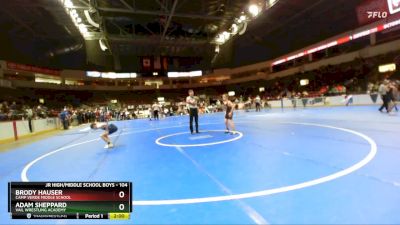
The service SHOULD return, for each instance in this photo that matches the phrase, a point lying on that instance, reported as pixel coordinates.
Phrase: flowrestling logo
(394, 6)
(377, 15)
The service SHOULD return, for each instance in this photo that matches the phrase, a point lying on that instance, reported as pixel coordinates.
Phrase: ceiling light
(68, 4)
(254, 10)
(220, 39)
(83, 28)
(217, 49)
(234, 29)
(226, 35)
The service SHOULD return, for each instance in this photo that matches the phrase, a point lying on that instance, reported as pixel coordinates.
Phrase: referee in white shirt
(192, 102)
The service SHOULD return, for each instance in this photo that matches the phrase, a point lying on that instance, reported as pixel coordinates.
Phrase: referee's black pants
(155, 114)
(385, 103)
(194, 113)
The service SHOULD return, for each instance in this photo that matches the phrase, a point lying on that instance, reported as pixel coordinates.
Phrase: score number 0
(121, 206)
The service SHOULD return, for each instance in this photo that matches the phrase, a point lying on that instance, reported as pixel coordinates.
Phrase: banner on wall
(165, 63)
(157, 63)
(147, 63)
(33, 69)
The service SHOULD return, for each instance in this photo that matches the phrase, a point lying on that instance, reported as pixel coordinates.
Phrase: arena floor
(338, 165)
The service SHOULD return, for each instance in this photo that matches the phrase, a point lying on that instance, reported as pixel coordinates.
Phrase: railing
(13, 130)
(338, 100)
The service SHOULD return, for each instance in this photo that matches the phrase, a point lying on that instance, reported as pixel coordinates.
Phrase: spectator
(383, 90)
(64, 116)
(257, 100)
(29, 114)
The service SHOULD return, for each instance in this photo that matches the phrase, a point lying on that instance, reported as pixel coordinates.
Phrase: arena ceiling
(42, 32)
(293, 25)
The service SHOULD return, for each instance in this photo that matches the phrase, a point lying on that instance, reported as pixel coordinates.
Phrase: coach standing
(192, 102)
(64, 116)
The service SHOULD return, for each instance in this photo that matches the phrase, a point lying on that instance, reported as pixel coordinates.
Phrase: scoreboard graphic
(70, 200)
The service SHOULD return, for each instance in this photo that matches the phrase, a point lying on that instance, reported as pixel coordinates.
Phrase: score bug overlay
(70, 200)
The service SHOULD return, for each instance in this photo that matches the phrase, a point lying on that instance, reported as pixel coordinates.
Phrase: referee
(192, 101)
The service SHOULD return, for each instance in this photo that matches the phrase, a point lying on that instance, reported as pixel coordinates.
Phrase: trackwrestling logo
(394, 6)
